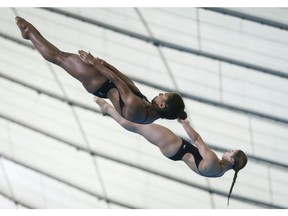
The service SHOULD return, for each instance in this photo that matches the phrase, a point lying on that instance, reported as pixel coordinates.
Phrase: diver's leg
(29, 32)
(71, 63)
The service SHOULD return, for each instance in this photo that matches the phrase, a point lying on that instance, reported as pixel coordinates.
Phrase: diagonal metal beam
(162, 43)
(216, 103)
(16, 201)
(48, 93)
(249, 17)
(164, 60)
(17, 40)
(80, 127)
(98, 196)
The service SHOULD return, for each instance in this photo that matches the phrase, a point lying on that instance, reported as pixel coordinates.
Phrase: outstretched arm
(122, 86)
(122, 76)
(204, 150)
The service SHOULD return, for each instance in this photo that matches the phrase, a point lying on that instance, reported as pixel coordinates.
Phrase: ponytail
(231, 188)
(241, 161)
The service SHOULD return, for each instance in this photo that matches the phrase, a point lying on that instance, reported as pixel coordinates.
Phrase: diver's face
(161, 98)
(229, 155)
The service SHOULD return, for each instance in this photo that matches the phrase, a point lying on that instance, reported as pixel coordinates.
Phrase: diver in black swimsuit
(187, 147)
(108, 85)
(201, 159)
(95, 74)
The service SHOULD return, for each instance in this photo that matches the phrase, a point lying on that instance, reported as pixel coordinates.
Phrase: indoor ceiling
(229, 64)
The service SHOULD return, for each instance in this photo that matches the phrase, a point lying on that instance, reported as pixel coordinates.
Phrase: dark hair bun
(182, 115)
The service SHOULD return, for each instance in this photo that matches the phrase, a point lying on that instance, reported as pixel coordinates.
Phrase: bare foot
(102, 104)
(24, 26)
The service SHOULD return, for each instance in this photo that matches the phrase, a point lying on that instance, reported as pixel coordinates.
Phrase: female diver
(103, 80)
(201, 159)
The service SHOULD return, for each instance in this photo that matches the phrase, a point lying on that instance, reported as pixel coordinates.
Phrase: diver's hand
(86, 57)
